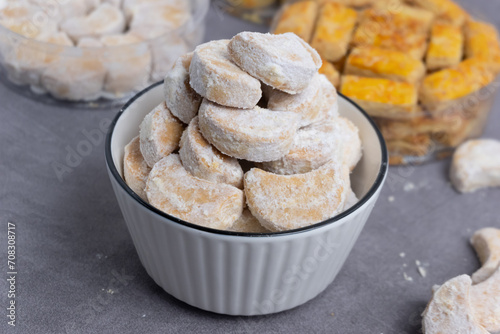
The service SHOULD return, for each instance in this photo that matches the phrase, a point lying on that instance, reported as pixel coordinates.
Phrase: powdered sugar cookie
(351, 200)
(25, 63)
(485, 301)
(74, 79)
(104, 20)
(348, 136)
(308, 103)
(475, 165)
(130, 65)
(160, 133)
(205, 162)
(486, 242)
(213, 75)
(312, 147)
(330, 99)
(284, 61)
(247, 223)
(450, 309)
(181, 99)
(286, 202)
(135, 168)
(171, 189)
(256, 134)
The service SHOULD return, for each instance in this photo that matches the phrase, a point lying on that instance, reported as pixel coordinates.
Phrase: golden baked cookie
(440, 89)
(445, 47)
(307, 10)
(382, 97)
(333, 32)
(171, 189)
(482, 41)
(446, 11)
(388, 64)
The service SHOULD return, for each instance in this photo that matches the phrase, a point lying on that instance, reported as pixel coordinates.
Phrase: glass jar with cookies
(425, 70)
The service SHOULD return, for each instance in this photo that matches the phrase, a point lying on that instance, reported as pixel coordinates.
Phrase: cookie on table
(476, 165)
(450, 309)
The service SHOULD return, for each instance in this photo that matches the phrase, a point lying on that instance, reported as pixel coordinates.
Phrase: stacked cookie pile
(256, 100)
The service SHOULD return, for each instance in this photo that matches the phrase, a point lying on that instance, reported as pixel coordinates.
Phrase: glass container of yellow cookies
(425, 70)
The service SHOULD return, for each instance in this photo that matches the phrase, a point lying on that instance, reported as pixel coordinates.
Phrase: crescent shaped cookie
(284, 61)
(348, 136)
(204, 161)
(173, 190)
(486, 242)
(286, 202)
(248, 223)
(330, 99)
(129, 69)
(476, 165)
(213, 75)
(181, 99)
(308, 103)
(160, 133)
(135, 169)
(450, 309)
(485, 301)
(256, 134)
(312, 147)
(104, 20)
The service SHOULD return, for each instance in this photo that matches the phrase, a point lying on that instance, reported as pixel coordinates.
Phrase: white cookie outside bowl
(242, 273)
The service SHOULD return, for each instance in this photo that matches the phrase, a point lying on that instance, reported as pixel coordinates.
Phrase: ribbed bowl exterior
(240, 275)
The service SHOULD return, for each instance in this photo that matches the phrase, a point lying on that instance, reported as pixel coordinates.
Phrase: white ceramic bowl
(241, 273)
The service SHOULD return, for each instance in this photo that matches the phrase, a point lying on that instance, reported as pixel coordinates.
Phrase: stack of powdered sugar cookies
(256, 100)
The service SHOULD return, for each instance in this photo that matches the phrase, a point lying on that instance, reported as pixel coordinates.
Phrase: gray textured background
(73, 244)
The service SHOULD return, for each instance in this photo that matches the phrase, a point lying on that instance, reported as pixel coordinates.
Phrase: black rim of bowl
(375, 187)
